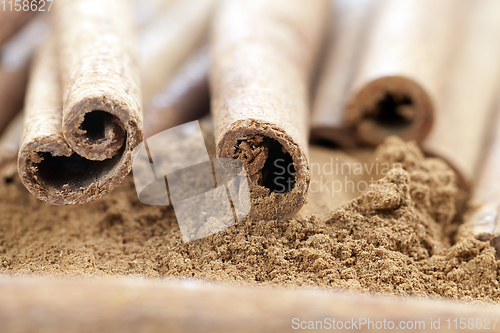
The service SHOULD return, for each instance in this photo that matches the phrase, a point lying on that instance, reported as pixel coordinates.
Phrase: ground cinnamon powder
(394, 238)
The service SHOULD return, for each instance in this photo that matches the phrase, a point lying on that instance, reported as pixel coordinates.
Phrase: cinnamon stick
(12, 20)
(348, 29)
(122, 130)
(10, 139)
(483, 222)
(79, 135)
(188, 305)
(185, 98)
(149, 10)
(102, 112)
(15, 56)
(465, 107)
(262, 55)
(399, 73)
(169, 40)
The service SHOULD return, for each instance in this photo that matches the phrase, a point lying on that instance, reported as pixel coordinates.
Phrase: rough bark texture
(263, 54)
(47, 165)
(132, 305)
(169, 39)
(465, 108)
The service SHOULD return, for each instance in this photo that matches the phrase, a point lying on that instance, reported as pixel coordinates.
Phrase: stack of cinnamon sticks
(425, 70)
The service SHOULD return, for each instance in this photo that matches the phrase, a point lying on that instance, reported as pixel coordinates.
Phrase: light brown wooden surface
(11, 139)
(31, 304)
(263, 53)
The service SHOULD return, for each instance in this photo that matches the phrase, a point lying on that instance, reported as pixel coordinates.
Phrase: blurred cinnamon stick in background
(465, 108)
(263, 53)
(87, 152)
(11, 20)
(348, 30)
(15, 57)
(399, 73)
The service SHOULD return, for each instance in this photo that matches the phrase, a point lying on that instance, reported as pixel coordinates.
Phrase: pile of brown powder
(394, 238)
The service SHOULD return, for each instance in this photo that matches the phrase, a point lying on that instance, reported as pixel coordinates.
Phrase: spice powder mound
(394, 238)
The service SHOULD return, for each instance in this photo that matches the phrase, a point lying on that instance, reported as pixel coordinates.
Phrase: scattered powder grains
(393, 238)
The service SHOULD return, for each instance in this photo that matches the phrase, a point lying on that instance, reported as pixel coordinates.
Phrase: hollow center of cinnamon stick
(393, 110)
(100, 126)
(75, 171)
(267, 163)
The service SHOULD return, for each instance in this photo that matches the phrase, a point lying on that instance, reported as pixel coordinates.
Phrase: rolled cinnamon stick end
(185, 98)
(347, 33)
(189, 306)
(262, 58)
(398, 72)
(391, 105)
(102, 111)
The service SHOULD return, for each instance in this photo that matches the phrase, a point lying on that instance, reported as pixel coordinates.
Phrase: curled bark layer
(15, 56)
(80, 131)
(262, 57)
(391, 70)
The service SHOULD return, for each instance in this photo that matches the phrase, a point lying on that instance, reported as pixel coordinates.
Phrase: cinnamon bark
(101, 120)
(465, 108)
(12, 20)
(483, 222)
(263, 54)
(149, 305)
(102, 111)
(348, 29)
(11, 139)
(171, 38)
(398, 76)
(185, 98)
(80, 133)
(47, 165)
(15, 56)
